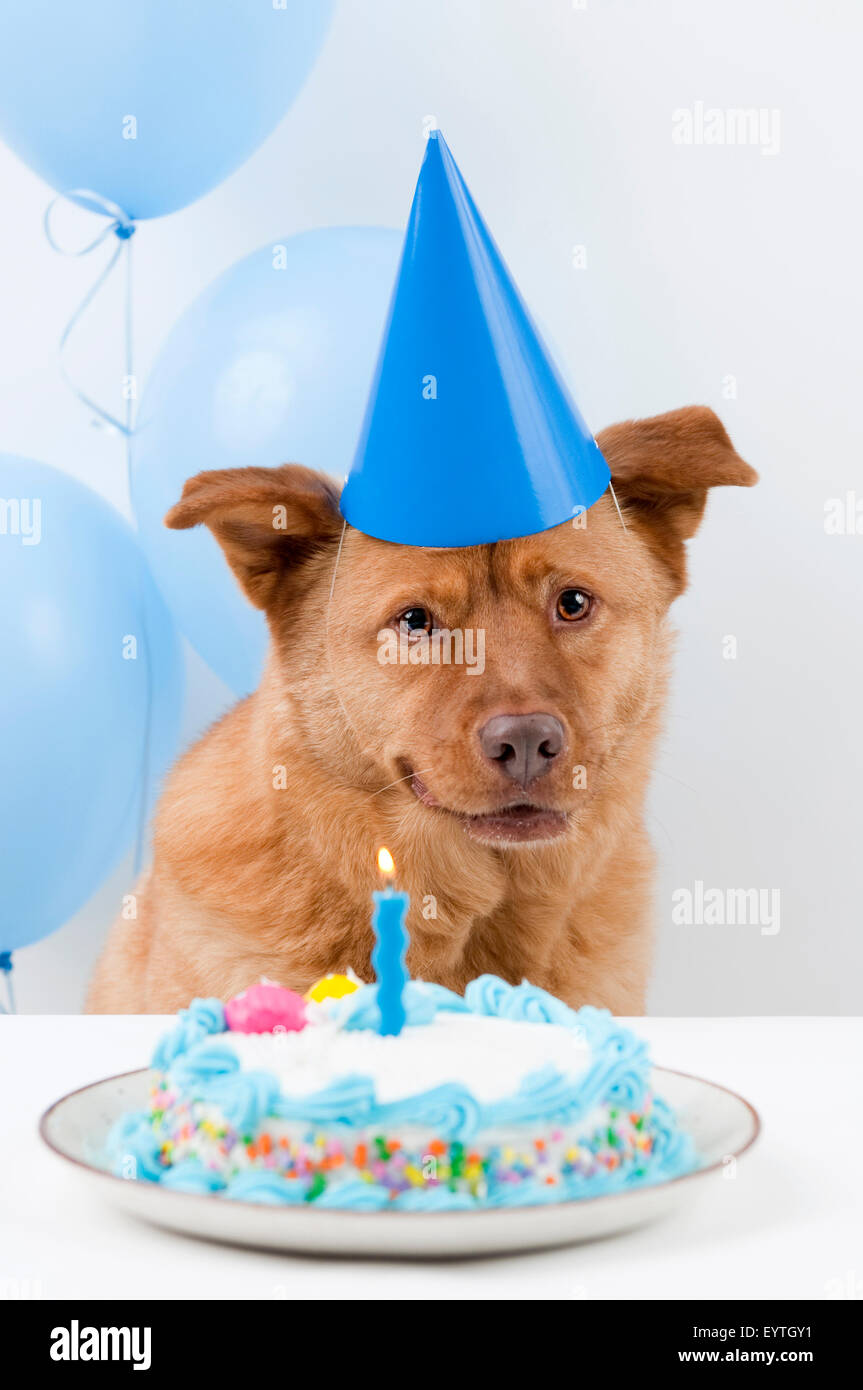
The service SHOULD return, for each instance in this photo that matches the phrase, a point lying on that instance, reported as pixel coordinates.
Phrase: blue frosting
(449, 1110)
(211, 1072)
(421, 1002)
(204, 1068)
(523, 1003)
(262, 1185)
(208, 1062)
(673, 1150)
(438, 1198)
(619, 1071)
(348, 1101)
(190, 1175)
(203, 1016)
(545, 1094)
(528, 1193)
(244, 1098)
(133, 1148)
(487, 995)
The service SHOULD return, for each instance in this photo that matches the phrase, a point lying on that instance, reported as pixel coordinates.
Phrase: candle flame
(386, 864)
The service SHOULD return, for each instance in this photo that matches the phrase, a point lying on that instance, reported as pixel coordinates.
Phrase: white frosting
(488, 1056)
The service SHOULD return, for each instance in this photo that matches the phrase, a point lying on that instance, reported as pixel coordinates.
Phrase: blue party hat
(470, 434)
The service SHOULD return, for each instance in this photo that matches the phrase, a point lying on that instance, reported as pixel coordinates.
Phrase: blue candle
(391, 942)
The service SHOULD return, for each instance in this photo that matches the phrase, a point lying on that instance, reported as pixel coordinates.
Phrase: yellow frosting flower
(331, 987)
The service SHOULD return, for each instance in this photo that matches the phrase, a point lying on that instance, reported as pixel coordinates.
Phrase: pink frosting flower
(266, 1008)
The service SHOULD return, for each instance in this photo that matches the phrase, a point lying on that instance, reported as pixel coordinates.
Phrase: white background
(703, 262)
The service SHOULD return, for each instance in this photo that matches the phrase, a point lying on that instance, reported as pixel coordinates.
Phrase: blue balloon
(271, 364)
(150, 103)
(85, 640)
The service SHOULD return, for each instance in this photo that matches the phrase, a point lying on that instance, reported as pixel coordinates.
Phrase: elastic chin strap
(617, 505)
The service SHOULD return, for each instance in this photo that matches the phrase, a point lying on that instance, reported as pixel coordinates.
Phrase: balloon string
(130, 381)
(131, 394)
(6, 970)
(123, 228)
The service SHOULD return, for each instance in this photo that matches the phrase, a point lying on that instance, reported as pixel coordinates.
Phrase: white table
(789, 1225)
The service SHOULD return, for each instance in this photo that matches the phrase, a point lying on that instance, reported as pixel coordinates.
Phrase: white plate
(722, 1124)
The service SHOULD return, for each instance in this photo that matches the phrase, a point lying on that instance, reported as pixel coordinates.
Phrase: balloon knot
(6, 961)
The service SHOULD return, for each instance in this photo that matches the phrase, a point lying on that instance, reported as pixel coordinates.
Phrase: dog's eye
(573, 604)
(416, 620)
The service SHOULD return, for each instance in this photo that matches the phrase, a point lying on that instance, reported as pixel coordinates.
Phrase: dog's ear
(267, 520)
(661, 469)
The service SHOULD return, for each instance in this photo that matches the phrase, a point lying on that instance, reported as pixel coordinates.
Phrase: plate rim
(309, 1210)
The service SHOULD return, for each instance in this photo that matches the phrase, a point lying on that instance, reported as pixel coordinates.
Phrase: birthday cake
(502, 1097)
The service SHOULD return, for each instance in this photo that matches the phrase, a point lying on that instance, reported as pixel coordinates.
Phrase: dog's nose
(525, 745)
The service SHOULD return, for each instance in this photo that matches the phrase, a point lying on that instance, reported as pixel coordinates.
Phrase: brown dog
(510, 797)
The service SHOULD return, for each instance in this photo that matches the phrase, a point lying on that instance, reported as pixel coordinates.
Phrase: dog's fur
(267, 834)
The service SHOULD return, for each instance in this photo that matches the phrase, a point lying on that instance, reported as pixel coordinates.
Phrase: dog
(510, 797)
